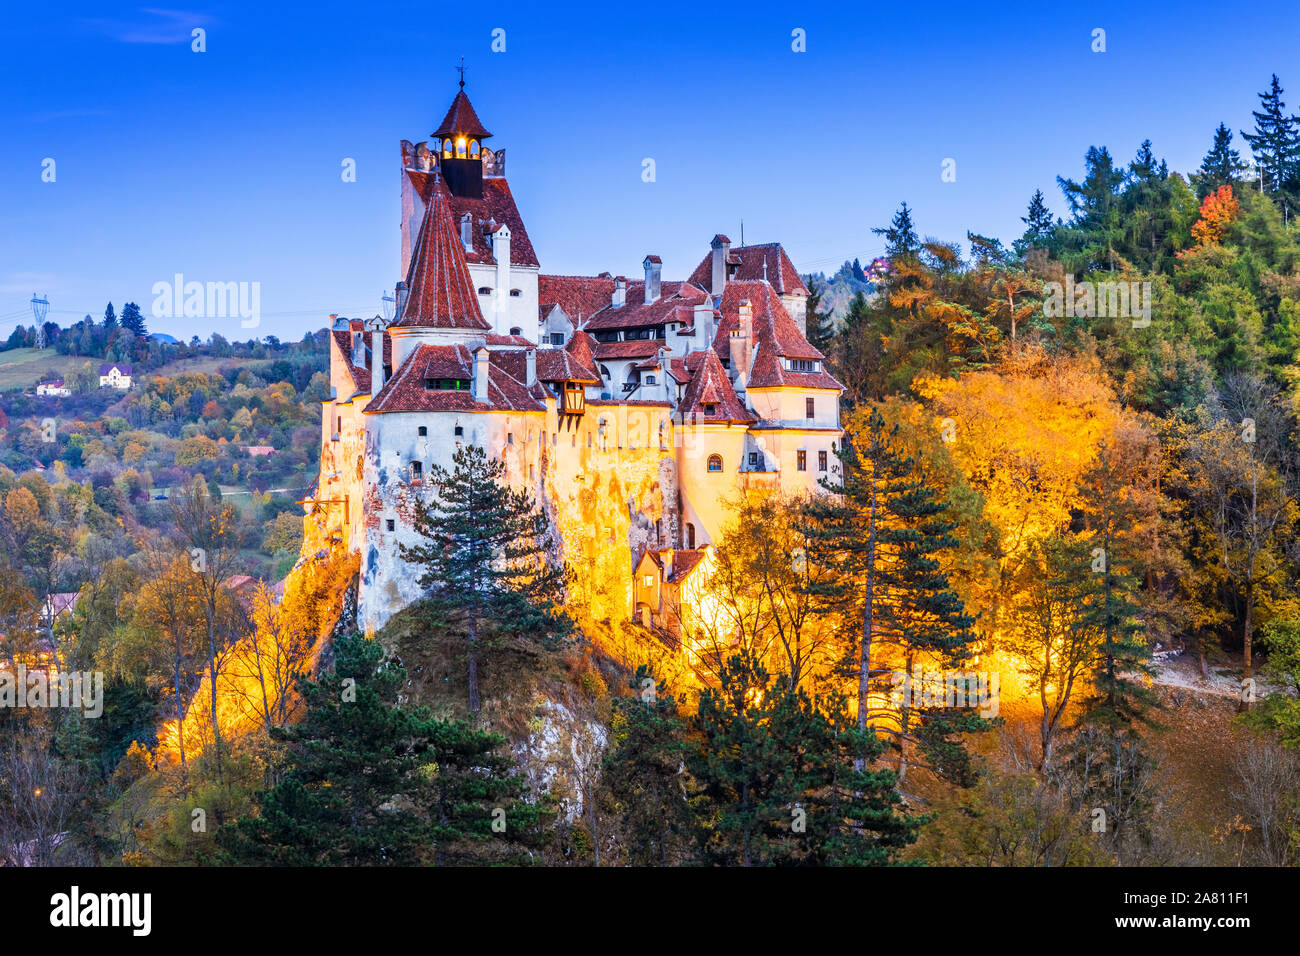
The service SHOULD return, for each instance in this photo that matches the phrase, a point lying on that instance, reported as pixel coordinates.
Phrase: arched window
(446, 148)
(690, 536)
(484, 290)
(473, 149)
(516, 330)
(516, 293)
(460, 147)
(605, 372)
(715, 463)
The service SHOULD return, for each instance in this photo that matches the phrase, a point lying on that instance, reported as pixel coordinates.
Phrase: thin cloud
(155, 26)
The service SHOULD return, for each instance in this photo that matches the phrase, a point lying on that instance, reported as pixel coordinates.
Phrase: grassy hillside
(23, 368)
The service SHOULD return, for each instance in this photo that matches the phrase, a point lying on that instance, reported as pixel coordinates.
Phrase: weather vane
(461, 68)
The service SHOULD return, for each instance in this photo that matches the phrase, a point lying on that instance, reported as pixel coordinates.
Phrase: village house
(115, 375)
(634, 410)
(53, 388)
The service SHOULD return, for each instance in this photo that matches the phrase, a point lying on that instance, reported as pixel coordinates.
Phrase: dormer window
(802, 365)
(710, 410)
(447, 384)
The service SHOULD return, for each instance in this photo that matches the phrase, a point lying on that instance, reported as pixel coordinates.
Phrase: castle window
(417, 470)
(460, 147)
(801, 460)
(649, 379)
(423, 430)
(516, 293)
(715, 463)
(808, 408)
(690, 536)
(753, 459)
(459, 431)
(802, 365)
(446, 148)
(447, 384)
(516, 330)
(557, 338)
(510, 438)
(605, 372)
(711, 410)
(392, 525)
(821, 461)
(648, 580)
(484, 290)
(473, 148)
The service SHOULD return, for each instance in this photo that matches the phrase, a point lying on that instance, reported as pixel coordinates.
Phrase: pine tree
(1276, 145)
(486, 565)
(858, 274)
(354, 751)
(778, 782)
(133, 320)
(110, 319)
(820, 325)
(643, 774)
(889, 526)
(1094, 204)
(1221, 166)
(900, 235)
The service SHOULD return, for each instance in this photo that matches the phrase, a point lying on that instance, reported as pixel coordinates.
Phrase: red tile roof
(750, 259)
(676, 303)
(580, 297)
(405, 391)
(561, 365)
(497, 206)
(461, 118)
(440, 293)
(710, 388)
(637, 348)
(776, 337)
(583, 348)
(360, 373)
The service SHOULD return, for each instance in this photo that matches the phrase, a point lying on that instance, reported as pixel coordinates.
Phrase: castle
(633, 410)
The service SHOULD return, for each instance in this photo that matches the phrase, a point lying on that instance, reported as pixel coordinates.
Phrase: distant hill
(164, 338)
(838, 290)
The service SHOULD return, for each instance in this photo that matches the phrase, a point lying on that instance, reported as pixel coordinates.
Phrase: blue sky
(225, 165)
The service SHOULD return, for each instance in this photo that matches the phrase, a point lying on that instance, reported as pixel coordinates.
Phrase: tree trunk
(474, 701)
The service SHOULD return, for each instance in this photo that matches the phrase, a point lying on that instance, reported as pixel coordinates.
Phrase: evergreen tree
(133, 320)
(352, 754)
(485, 565)
(1095, 208)
(110, 319)
(820, 325)
(778, 783)
(888, 527)
(1039, 227)
(858, 274)
(900, 235)
(1221, 166)
(643, 773)
(1276, 145)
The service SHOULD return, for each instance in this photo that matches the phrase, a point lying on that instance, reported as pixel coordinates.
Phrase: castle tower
(458, 141)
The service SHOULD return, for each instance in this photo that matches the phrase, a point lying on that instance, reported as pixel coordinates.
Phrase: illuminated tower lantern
(459, 143)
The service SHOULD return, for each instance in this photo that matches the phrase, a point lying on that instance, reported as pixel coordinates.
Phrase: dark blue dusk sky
(225, 165)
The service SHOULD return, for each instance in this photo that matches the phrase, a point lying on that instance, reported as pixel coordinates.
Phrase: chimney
(467, 232)
(530, 364)
(741, 344)
(481, 374)
(620, 293)
(653, 271)
(401, 292)
(721, 247)
(376, 361)
(666, 556)
(358, 350)
(501, 253)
